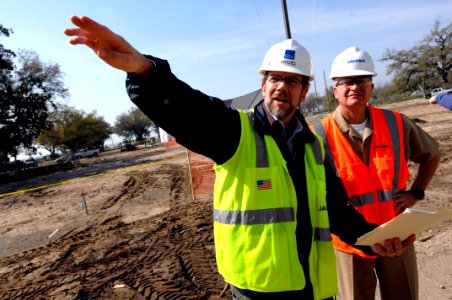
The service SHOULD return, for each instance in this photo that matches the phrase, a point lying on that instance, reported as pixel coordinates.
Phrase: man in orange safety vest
(369, 149)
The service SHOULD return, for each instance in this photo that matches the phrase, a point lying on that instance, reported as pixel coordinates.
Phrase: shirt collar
(344, 126)
(263, 123)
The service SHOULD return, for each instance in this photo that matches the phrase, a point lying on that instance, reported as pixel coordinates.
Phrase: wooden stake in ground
(190, 176)
(84, 204)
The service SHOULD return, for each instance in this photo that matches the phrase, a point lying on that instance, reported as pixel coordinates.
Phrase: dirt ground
(143, 230)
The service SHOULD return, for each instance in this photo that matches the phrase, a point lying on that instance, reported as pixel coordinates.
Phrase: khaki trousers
(397, 276)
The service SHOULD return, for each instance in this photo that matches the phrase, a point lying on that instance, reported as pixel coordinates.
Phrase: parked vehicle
(437, 91)
(67, 158)
(440, 90)
(87, 153)
(30, 163)
(127, 147)
(15, 165)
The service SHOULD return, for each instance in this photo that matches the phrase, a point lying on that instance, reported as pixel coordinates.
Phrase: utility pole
(326, 92)
(286, 19)
(316, 98)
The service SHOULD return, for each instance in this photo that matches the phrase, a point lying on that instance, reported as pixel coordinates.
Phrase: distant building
(165, 137)
(247, 101)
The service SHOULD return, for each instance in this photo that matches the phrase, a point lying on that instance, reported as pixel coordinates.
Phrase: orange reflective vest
(370, 188)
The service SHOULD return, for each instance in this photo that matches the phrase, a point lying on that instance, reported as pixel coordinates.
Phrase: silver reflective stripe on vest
(320, 130)
(317, 151)
(251, 217)
(362, 199)
(384, 195)
(261, 150)
(395, 139)
(322, 234)
(368, 197)
(359, 200)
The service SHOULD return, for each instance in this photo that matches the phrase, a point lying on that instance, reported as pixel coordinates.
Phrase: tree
(424, 66)
(50, 140)
(134, 122)
(53, 138)
(383, 93)
(28, 93)
(6, 68)
(74, 129)
(311, 104)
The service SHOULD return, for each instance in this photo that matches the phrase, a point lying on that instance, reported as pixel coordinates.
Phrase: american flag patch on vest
(265, 184)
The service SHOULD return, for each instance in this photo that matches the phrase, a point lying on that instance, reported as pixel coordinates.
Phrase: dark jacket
(207, 126)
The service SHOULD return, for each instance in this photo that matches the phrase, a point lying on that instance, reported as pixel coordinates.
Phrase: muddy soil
(145, 231)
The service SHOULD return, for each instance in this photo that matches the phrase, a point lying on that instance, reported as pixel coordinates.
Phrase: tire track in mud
(153, 269)
(168, 256)
(144, 180)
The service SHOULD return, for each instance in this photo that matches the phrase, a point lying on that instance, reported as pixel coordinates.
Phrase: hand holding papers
(409, 222)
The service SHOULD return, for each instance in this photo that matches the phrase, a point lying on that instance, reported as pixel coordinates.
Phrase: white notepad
(409, 222)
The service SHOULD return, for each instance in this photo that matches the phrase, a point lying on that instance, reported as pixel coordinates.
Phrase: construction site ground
(138, 225)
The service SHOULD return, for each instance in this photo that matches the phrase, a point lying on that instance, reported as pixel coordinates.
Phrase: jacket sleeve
(345, 221)
(199, 122)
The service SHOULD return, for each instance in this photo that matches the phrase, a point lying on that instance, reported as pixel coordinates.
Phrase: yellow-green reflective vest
(255, 209)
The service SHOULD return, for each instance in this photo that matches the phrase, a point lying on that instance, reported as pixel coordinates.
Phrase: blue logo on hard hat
(289, 54)
(356, 61)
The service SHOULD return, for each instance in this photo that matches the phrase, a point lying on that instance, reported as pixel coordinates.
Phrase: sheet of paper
(409, 222)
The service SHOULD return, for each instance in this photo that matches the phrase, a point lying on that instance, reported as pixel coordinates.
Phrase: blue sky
(215, 46)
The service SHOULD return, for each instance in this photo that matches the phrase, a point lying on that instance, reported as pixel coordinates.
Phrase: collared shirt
(360, 144)
(288, 132)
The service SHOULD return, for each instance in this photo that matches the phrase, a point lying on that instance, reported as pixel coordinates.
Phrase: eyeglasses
(290, 81)
(359, 81)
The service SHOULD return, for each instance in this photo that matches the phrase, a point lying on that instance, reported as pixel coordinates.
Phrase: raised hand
(109, 46)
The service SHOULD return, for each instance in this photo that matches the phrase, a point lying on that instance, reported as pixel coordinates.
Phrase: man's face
(354, 92)
(283, 92)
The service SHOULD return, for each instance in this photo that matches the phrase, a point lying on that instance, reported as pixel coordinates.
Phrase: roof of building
(247, 101)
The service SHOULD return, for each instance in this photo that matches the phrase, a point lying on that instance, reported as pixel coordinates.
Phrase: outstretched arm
(110, 47)
(187, 114)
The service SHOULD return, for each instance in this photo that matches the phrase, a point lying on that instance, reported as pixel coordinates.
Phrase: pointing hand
(109, 46)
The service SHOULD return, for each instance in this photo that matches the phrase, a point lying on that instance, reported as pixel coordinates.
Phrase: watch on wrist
(417, 193)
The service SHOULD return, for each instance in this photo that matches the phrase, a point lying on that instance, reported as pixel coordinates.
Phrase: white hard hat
(288, 56)
(352, 62)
